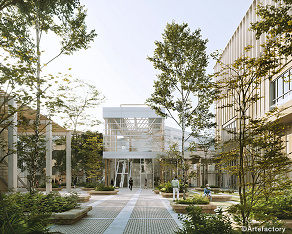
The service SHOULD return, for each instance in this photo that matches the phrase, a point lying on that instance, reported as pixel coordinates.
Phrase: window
(281, 88)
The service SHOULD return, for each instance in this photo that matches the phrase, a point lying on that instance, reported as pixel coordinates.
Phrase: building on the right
(276, 91)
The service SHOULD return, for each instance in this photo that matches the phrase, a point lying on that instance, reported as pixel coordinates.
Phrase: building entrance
(141, 170)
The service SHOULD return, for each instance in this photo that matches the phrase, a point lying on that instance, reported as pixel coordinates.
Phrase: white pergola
(49, 128)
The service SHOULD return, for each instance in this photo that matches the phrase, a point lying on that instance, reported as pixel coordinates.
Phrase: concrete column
(68, 161)
(12, 141)
(49, 163)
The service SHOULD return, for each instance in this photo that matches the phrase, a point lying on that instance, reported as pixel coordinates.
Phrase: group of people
(175, 189)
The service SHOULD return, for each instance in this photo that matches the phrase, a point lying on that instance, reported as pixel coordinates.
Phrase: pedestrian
(59, 183)
(175, 188)
(150, 183)
(145, 186)
(207, 192)
(130, 183)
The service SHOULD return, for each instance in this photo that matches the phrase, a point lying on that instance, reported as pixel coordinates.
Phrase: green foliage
(102, 187)
(167, 188)
(87, 150)
(54, 185)
(275, 21)
(279, 206)
(90, 185)
(73, 101)
(44, 203)
(182, 61)
(196, 222)
(29, 213)
(28, 159)
(196, 200)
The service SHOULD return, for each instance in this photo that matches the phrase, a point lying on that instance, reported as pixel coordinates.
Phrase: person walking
(175, 188)
(130, 183)
(145, 186)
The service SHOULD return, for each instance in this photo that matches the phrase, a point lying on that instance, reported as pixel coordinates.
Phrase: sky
(116, 62)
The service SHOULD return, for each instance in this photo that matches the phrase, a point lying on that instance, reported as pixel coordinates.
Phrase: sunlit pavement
(139, 211)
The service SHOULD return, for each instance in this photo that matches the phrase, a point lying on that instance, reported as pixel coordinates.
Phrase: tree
(88, 148)
(206, 143)
(73, 102)
(66, 19)
(276, 21)
(242, 154)
(28, 160)
(182, 87)
(171, 162)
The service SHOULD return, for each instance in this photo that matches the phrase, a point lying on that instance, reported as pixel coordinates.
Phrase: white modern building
(135, 140)
(133, 137)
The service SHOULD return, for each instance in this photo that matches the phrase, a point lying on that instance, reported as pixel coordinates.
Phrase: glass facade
(133, 138)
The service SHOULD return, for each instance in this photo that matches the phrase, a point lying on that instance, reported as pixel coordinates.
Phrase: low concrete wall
(212, 189)
(87, 189)
(219, 198)
(181, 208)
(70, 216)
(44, 189)
(93, 192)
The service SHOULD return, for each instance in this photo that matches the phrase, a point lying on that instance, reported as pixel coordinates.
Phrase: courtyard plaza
(139, 211)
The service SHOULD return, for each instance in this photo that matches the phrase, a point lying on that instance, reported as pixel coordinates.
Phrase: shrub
(90, 185)
(196, 200)
(196, 222)
(101, 187)
(29, 213)
(44, 185)
(167, 188)
(278, 206)
(211, 186)
(81, 184)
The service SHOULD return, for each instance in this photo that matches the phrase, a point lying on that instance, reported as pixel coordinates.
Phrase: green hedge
(195, 200)
(101, 187)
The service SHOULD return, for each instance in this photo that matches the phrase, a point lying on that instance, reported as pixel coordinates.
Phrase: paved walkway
(139, 211)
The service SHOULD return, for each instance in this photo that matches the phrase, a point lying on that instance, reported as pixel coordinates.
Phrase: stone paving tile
(150, 212)
(150, 202)
(84, 226)
(104, 212)
(114, 203)
(150, 226)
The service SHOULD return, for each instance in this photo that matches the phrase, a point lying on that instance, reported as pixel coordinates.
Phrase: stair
(4, 174)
